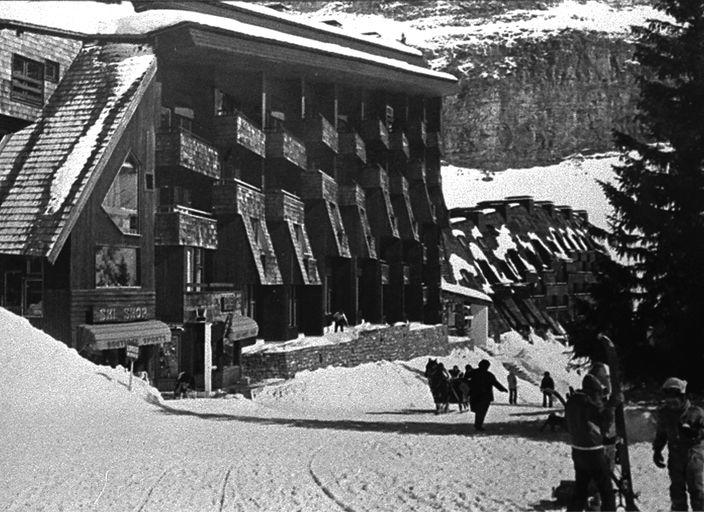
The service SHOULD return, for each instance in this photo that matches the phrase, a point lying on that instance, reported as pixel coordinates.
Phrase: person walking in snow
(481, 392)
(512, 381)
(587, 416)
(340, 320)
(547, 386)
(468, 372)
(680, 427)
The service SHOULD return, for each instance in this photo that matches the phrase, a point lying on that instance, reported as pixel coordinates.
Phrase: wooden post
(129, 388)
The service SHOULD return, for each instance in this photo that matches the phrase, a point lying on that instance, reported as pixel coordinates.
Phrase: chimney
(525, 201)
(565, 210)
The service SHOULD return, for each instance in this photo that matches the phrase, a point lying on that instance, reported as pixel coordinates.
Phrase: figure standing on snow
(481, 392)
(184, 383)
(588, 417)
(680, 426)
(547, 386)
(455, 372)
(340, 320)
(512, 381)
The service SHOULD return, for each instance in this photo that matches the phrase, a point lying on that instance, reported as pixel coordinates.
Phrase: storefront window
(116, 267)
(120, 202)
(168, 358)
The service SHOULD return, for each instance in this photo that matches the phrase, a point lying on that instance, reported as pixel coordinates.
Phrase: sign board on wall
(126, 313)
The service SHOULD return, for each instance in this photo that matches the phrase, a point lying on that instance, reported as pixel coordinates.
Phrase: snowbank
(384, 386)
(42, 376)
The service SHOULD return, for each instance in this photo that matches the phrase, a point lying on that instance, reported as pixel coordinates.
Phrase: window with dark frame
(51, 71)
(27, 81)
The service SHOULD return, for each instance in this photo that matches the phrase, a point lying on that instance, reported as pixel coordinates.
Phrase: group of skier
(598, 444)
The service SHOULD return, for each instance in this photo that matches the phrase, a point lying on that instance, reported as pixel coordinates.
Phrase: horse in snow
(444, 389)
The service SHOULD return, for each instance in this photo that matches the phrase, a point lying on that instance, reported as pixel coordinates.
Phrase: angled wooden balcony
(180, 226)
(285, 214)
(398, 145)
(423, 207)
(182, 149)
(283, 145)
(237, 197)
(417, 132)
(354, 216)
(352, 146)
(235, 130)
(375, 133)
(375, 182)
(320, 134)
(401, 200)
(319, 193)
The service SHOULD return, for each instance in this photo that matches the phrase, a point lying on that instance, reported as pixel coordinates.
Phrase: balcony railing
(236, 129)
(375, 132)
(231, 197)
(321, 133)
(181, 226)
(281, 144)
(282, 205)
(318, 185)
(352, 144)
(180, 148)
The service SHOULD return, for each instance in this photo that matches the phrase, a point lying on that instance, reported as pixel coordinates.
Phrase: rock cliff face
(539, 80)
(538, 100)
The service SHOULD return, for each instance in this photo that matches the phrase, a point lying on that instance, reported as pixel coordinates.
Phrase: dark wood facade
(270, 187)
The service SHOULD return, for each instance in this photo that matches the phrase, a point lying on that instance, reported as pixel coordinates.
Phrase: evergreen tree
(658, 194)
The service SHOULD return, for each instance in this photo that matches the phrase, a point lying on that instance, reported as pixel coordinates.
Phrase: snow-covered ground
(350, 439)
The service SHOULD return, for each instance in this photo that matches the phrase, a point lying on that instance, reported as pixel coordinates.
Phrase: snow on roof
(458, 233)
(94, 18)
(476, 233)
(458, 264)
(572, 182)
(457, 220)
(48, 168)
(464, 290)
(318, 21)
(576, 238)
(505, 242)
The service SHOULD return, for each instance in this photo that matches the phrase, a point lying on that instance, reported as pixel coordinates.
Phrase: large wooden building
(178, 172)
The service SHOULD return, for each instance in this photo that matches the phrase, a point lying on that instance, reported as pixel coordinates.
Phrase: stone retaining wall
(386, 343)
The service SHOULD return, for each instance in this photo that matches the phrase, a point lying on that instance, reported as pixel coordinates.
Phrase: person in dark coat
(680, 427)
(481, 392)
(455, 372)
(512, 381)
(547, 386)
(340, 320)
(588, 416)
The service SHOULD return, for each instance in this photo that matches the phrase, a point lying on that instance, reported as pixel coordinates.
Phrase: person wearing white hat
(680, 427)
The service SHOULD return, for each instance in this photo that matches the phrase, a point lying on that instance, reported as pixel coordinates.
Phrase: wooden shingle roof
(49, 169)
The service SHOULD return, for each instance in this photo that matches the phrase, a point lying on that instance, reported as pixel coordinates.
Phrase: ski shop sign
(113, 313)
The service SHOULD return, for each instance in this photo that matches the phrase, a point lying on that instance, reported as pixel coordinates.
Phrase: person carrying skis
(547, 386)
(587, 417)
(481, 392)
(680, 427)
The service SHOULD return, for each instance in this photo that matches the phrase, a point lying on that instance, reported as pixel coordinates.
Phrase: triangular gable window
(121, 201)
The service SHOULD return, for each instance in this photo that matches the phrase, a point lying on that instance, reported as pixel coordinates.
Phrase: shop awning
(241, 327)
(112, 336)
